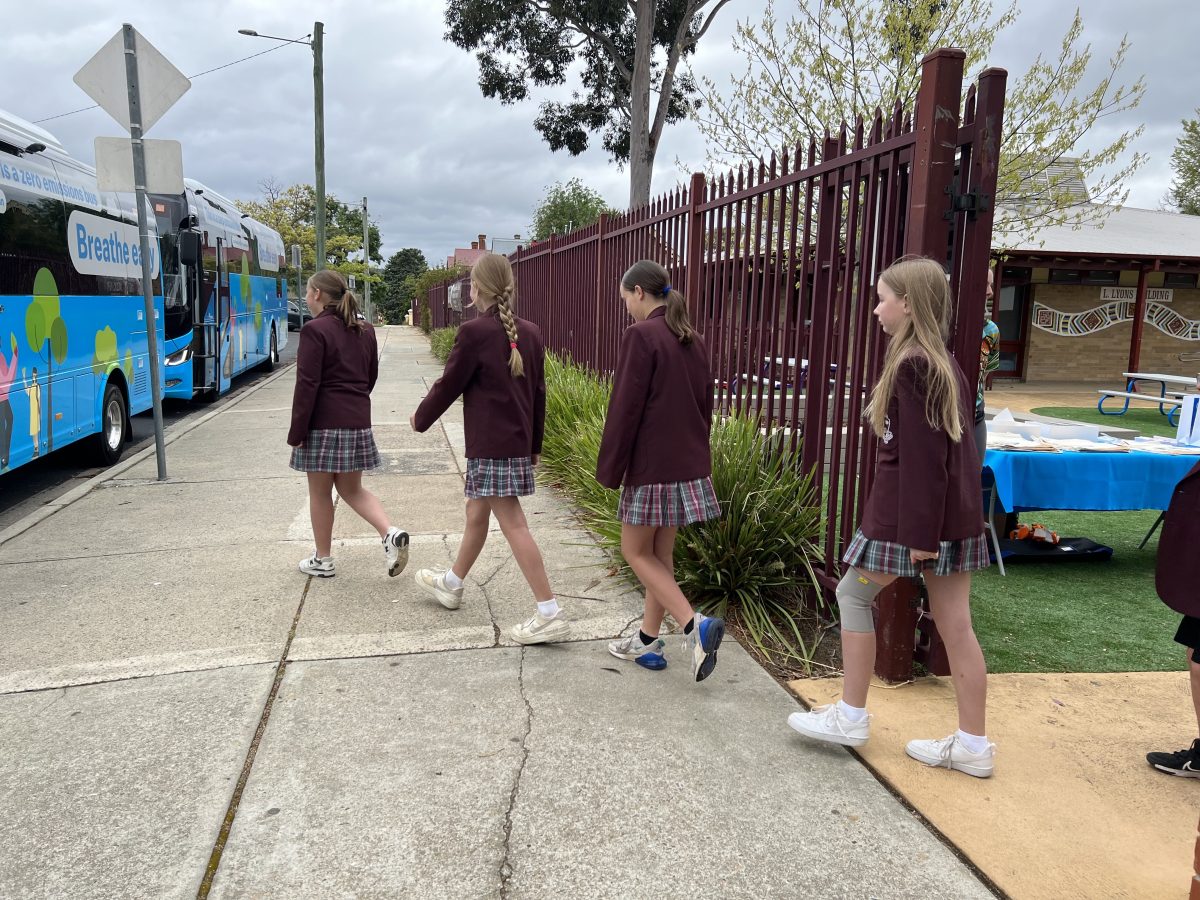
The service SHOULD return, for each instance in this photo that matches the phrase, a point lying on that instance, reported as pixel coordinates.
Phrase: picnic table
(1169, 396)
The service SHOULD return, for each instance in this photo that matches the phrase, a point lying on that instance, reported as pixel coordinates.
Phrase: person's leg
(475, 532)
(664, 552)
(950, 603)
(846, 722)
(638, 546)
(515, 528)
(858, 643)
(320, 510)
(1194, 669)
(350, 488)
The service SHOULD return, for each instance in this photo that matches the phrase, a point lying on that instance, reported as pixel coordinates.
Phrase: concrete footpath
(183, 714)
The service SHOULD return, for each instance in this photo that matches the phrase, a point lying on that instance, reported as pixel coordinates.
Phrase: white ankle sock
(854, 713)
(976, 743)
(548, 609)
(452, 581)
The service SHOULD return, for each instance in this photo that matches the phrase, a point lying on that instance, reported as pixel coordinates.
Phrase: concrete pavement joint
(505, 865)
(176, 432)
(214, 860)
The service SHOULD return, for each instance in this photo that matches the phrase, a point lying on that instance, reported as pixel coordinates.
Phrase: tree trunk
(641, 150)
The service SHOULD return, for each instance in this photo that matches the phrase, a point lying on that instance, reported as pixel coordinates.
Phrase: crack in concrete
(506, 871)
(487, 598)
(214, 860)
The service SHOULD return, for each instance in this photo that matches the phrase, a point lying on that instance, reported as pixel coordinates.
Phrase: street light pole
(318, 48)
(367, 264)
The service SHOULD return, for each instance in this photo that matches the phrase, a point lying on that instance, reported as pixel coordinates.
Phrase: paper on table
(1006, 440)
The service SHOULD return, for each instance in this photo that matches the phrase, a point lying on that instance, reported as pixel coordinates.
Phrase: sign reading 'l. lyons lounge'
(1153, 295)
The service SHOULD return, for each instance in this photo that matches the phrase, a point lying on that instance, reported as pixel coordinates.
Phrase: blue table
(1086, 481)
(1026, 480)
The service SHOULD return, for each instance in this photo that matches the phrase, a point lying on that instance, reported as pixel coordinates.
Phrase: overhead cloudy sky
(407, 126)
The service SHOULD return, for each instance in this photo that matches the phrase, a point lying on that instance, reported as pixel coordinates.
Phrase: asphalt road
(33, 485)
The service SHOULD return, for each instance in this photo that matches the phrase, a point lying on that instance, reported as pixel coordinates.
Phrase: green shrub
(753, 563)
(440, 342)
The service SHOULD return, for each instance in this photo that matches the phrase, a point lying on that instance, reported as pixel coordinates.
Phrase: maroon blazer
(927, 487)
(505, 417)
(336, 368)
(1177, 574)
(660, 412)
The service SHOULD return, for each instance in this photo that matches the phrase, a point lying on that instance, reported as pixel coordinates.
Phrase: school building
(1088, 304)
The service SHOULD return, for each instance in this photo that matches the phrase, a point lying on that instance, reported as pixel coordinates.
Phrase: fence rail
(778, 261)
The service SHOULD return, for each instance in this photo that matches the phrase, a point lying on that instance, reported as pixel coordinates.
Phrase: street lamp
(317, 44)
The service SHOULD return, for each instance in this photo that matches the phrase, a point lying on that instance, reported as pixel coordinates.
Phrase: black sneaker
(1185, 763)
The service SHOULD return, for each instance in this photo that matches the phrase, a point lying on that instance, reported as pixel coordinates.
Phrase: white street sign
(114, 166)
(104, 79)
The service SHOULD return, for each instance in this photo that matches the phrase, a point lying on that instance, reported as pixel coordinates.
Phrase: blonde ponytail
(516, 365)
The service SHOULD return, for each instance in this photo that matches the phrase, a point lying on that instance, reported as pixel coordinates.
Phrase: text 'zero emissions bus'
(74, 350)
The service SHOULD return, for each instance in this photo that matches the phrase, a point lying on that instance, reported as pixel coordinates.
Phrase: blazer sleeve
(539, 401)
(924, 453)
(310, 360)
(460, 369)
(631, 383)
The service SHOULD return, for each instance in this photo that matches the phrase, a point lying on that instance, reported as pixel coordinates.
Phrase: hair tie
(513, 344)
(666, 290)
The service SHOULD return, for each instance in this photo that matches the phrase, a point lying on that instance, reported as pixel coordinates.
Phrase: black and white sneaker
(1185, 763)
(395, 548)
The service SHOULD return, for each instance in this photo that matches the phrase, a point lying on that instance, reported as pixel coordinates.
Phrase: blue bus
(74, 349)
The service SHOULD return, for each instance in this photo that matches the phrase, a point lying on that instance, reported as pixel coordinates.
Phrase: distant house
(466, 257)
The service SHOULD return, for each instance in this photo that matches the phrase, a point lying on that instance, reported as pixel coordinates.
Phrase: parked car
(298, 314)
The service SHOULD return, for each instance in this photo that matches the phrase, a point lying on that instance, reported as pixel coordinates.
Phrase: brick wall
(1101, 357)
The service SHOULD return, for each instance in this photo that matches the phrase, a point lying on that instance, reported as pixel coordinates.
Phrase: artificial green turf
(1143, 418)
(1079, 616)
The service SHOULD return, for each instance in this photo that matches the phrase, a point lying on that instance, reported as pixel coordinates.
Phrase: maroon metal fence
(778, 261)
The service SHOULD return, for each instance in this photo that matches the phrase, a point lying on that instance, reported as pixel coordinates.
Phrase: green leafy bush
(440, 342)
(753, 563)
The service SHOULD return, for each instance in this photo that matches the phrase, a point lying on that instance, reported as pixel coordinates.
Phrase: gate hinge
(972, 202)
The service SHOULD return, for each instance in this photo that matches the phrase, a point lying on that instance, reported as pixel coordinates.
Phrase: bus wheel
(272, 359)
(114, 420)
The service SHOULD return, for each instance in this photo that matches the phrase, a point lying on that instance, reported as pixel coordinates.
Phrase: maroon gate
(778, 261)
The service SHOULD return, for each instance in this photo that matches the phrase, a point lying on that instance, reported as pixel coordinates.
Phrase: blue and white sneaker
(648, 656)
(702, 644)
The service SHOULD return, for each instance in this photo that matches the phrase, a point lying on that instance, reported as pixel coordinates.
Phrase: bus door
(207, 335)
(224, 326)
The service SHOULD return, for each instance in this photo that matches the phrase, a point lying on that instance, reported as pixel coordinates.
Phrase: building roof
(463, 257)
(1125, 233)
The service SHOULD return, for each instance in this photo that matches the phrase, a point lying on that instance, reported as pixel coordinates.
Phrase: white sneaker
(950, 752)
(540, 630)
(434, 584)
(828, 723)
(395, 548)
(318, 566)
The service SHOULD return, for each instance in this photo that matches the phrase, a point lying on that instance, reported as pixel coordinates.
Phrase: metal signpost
(122, 66)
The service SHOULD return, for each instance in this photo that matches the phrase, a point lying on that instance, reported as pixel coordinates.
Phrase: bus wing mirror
(189, 248)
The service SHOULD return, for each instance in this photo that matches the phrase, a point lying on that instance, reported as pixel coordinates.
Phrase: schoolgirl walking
(924, 517)
(497, 365)
(337, 365)
(656, 449)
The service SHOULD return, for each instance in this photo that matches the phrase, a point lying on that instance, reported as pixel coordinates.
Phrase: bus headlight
(180, 356)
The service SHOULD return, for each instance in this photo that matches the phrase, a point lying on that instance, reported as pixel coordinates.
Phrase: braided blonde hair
(492, 277)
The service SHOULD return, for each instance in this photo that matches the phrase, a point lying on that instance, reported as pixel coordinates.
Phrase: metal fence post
(694, 254)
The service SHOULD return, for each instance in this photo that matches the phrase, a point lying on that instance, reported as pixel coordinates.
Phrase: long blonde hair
(336, 295)
(922, 335)
(492, 276)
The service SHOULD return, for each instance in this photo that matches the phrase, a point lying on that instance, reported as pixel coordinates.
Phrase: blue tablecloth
(1099, 481)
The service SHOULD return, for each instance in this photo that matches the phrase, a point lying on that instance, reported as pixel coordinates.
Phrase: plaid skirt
(336, 450)
(671, 503)
(512, 477)
(964, 555)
